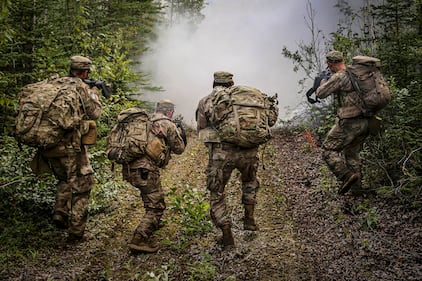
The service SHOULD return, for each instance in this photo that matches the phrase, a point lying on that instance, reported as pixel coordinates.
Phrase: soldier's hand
(323, 81)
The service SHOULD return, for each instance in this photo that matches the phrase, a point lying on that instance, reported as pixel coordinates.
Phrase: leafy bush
(193, 212)
(394, 158)
(20, 189)
(203, 269)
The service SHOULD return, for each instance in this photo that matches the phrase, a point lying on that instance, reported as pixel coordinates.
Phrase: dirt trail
(307, 232)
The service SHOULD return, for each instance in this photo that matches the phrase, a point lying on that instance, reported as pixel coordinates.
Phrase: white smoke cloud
(244, 37)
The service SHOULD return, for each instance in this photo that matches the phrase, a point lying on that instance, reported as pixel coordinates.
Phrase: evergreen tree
(400, 39)
(391, 31)
(51, 31)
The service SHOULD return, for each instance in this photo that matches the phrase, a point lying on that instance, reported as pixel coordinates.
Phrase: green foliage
(399, 39)
(25, 207)
(161, 275)
(193, 212)
(18, 244)
(106, 189)
(48, 34)
(20, 188)
(394, 158)
(370, 217)
(186, 9)
(202, 270)
(390, 31)
(327, 182)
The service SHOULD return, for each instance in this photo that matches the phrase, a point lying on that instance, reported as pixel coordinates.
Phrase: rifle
(100, 84)
(273, 99)
(178, 121)
(324, 75)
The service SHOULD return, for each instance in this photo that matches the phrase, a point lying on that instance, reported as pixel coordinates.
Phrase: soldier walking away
(69, 160)
(224, 157)
(345, 140)
(144, 174)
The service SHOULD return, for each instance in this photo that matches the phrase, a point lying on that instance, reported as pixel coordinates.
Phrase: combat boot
(348, 181)
(249, 220)
(228, 241)
(139, 244)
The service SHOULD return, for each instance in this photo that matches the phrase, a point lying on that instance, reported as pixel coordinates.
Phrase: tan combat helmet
(223, 77)
(80, 63)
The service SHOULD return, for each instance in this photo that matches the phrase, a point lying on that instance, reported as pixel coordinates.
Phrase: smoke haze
(244, 37)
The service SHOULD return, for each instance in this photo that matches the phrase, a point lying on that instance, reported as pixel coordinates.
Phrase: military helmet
(334, 56)
(223, 77)
(165, 105)
(80, 63)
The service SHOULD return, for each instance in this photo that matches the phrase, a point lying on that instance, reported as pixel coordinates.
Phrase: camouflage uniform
(144, 174)
(345, 140)
(223, 159)
(70, 163)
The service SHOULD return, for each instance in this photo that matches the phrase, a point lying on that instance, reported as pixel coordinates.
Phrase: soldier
(223, 159)
(144, 174)
(345, 139)
(207, 133)
(69, 160)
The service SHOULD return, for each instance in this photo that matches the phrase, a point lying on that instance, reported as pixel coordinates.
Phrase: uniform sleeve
(174, 139)
(273, 115)
(91, 102)
(201, 118)
(331, 86)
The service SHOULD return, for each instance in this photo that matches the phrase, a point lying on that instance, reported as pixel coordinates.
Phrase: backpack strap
(355, 86)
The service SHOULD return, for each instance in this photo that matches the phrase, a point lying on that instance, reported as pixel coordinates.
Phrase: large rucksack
(47, 110)
(132, 137)
(240, 115)
(368, 81)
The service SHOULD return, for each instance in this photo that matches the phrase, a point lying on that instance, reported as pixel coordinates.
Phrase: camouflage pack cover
(368, 81)
(47, 110)
(241, 116)
(132, 138)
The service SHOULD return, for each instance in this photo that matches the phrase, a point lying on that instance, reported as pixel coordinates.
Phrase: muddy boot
(228, 241)
(348, 181)
(249, 220)
(139, 244)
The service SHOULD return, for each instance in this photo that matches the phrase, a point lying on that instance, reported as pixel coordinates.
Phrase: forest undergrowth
(306, 231)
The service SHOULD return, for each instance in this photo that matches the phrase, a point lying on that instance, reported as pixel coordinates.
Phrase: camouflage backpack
(241, 115)
(132, 138)
(368, 81)
(47, 109)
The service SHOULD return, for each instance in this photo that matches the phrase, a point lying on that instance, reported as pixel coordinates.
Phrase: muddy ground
(307, 231)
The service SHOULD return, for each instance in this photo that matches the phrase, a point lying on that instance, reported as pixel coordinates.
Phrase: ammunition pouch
(155, 150)
(89, 132)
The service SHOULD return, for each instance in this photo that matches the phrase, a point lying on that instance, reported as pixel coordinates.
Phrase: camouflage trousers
(149, 184)
(76, 179)
(343, 144)
(223, 159)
